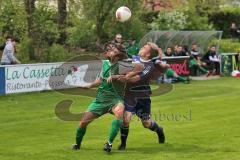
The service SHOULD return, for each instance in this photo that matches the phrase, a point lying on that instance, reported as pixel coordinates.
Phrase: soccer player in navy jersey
(137, 94)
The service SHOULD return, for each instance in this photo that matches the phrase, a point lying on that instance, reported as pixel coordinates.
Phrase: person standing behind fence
(8, 56)
(118, 43)
(234, 31)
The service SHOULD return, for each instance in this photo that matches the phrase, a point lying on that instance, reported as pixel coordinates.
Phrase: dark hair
(8, 37)
(15, 39)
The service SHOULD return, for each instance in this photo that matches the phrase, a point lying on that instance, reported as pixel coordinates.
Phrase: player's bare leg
(87, 118)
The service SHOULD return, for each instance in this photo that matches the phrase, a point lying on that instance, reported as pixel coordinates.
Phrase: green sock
(79, 135)
(182, 79)
(116, 124)
(203, 70)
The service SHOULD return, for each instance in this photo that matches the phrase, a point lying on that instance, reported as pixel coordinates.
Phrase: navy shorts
(142, 108)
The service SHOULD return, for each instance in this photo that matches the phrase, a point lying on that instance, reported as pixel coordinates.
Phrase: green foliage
(91, 21)
(174, 20)
(223, 18)
(102, 12)
(149, 16)
(12, 19)
(23, 50)
(81, 34)
(206, 7)
(55, 53)
(134, 28)
(45, 26)
(196, 22)
(197, 12)
(229, 46)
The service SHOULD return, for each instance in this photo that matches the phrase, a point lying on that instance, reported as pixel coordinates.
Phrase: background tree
(174, 20)
(98, 10)
(62, 18)
(30, 8)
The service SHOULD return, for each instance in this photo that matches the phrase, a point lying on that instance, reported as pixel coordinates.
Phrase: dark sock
(154, 127)
(79, 135)
(124, 135)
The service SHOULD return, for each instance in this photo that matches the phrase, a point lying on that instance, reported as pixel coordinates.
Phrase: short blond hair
(154, 52)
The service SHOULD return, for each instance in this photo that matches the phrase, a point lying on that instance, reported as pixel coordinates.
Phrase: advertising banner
(179, 64)
(49, 76)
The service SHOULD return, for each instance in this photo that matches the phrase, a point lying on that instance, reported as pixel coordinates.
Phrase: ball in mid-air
(123, 14)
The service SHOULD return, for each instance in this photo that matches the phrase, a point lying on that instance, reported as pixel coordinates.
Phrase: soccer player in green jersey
(108, 100)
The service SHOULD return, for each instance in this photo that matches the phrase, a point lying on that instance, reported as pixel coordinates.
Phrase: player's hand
(109, 79)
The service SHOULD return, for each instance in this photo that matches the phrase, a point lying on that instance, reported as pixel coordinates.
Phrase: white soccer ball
(235, 73)
(123, 14)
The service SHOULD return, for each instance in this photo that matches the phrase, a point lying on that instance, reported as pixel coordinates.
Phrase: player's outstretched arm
(132, 79)
(138, 68)
(132, 76)
(96, 83)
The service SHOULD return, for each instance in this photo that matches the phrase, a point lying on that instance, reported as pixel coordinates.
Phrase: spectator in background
(179, 51)
(212, 60)
(186, 50)
(168, 52)
(195, 62)
(175, 48)
(132, 48)
(8, 56)
(118, 43)
(170, 73)
(234, 31)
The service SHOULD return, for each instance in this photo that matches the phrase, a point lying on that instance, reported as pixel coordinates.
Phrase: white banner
(49, 76)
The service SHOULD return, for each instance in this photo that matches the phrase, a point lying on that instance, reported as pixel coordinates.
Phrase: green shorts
(100, 106)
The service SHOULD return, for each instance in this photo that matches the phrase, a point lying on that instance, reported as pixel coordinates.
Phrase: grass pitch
(201, 121)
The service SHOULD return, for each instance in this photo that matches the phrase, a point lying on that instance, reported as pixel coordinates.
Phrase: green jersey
(108, 94)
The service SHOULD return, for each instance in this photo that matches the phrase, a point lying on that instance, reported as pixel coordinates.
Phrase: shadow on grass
(168, 148)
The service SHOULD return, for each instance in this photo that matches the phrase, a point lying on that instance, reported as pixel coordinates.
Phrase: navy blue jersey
(141, 88)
